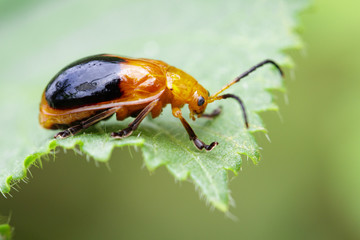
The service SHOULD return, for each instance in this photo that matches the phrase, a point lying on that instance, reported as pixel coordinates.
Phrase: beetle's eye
(201, 101)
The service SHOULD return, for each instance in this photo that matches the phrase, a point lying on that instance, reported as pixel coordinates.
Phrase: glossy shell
(100, 82)
(87, 81)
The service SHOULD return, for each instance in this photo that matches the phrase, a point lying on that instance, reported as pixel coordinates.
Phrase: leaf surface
(212, 40)
(5, 232)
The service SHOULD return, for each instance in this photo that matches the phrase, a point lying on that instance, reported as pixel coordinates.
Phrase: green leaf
(212, 40)
(5, 232)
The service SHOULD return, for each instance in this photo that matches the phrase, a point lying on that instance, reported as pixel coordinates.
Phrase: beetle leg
(214, 113)
(134, 125)
(86, 123)
(197, 142)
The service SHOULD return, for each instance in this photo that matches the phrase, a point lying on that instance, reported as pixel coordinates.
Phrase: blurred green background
(306, 187)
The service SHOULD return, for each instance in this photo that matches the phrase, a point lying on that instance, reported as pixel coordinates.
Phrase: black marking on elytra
(87, 81)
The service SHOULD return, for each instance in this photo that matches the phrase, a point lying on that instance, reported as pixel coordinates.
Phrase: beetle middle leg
(86, 123)
(197, 142)
(134, 125)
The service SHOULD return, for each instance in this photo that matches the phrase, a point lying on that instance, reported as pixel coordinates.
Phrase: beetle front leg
(134, 125)
(213, 114)
(197, 142)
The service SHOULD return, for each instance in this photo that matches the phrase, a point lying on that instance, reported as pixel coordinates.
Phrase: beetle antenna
(241, 104)
(238, 78)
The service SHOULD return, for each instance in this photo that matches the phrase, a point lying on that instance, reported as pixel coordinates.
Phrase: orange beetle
(94, 88)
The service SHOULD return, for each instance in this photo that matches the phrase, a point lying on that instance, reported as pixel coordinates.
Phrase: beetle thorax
(185, 89)
(181, 85)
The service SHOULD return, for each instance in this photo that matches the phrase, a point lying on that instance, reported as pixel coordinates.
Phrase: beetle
(96, 87)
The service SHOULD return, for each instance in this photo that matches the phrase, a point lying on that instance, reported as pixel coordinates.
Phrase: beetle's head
(199, 101)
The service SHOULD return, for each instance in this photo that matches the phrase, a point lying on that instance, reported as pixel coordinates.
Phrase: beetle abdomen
(87, 81)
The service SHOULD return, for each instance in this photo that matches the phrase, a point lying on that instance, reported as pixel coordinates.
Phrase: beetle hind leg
(69, 132)
(86, 123)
